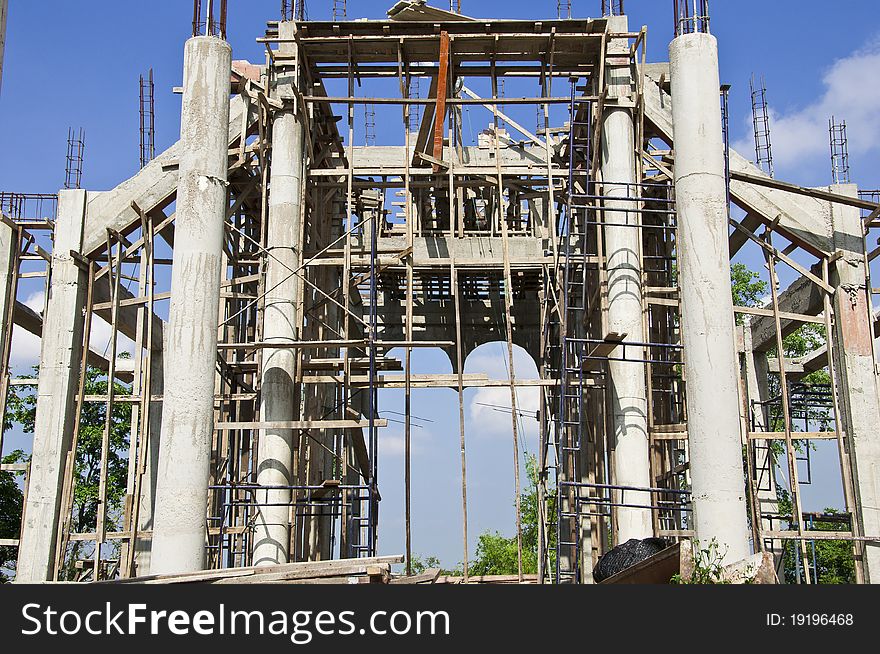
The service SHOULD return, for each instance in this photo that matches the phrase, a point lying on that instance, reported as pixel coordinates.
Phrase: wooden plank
(427, 577)
(819, 535)
(337, 566)
(300, 424)
(522, 130)
(680, 427)
(795, 435)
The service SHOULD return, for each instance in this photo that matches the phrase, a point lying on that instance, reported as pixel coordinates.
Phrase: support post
(856, 366)
(60, 356)
(191, 348)
(3, 11)
(623, 247)
(147, 496)
(277, 446)
(707, 321)
(9, 244)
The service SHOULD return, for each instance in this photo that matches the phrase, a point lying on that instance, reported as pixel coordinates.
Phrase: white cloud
(800, 135)
(392, 440)
(489, 409)
(36, 301)
(25, 351)
(99, 339)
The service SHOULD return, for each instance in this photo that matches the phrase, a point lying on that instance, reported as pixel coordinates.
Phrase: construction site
(328, 213)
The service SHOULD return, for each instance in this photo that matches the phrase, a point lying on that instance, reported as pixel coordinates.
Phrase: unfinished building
(268, 263)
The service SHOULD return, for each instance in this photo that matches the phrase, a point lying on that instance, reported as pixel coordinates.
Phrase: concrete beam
(707, 321)
(802, 296)
(154, 187)
(32, 322)
(803, 219)
(8, 261)
(191, 341)
(60, 357)
(126, 316)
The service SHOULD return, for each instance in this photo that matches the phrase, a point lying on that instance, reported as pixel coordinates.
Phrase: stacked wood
(375, 570)
(488, 579)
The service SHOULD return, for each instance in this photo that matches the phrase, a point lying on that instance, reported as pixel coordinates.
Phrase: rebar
(209, 18)
(76, 145)
(691, 16)
(147, 119)
(839, 151)
(761, 123)
(609, 8)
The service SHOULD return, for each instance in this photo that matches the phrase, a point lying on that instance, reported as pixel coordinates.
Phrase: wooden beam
(440, 112)
(299, 424)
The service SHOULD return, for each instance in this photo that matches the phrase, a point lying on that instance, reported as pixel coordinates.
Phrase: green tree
(497, 554)
(21, 409)
(11, 498)
(833, 559)
(746, 286)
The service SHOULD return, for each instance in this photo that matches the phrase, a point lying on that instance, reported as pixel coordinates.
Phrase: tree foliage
(497, 554)
(21, 409)
(746, 286)
(11, 498)
(831, 561)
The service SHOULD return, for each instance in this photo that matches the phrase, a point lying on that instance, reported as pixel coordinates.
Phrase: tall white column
(191, 343)
(60, 359)
(277, 446)
(629, 404)
(707, 321)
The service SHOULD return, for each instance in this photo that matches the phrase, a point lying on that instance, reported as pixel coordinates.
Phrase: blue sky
(77, 64)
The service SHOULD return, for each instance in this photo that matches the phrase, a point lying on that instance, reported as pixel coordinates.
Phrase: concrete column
(3, 12)
(278, 403)
(707, 322)
(8, 246)
(856, 366)
(628, 387)
(191, 341)
(60, 358)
